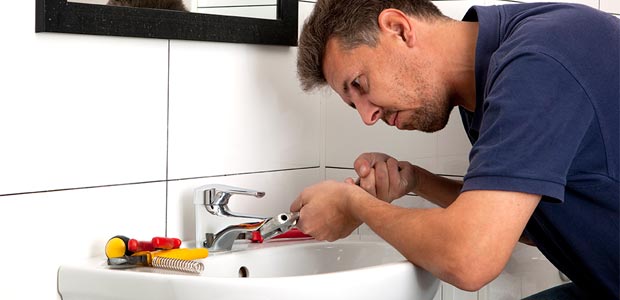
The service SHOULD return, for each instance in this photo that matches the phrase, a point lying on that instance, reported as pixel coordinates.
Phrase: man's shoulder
(547, 20)
(580, 38)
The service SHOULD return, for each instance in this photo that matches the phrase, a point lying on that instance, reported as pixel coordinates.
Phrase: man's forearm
(437, 189)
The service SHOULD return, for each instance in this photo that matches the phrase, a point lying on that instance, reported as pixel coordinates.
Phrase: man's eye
(356, 83)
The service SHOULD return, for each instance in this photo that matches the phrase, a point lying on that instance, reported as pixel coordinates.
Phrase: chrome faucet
(217, 227)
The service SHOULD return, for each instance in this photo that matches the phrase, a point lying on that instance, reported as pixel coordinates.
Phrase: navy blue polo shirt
(547, 123)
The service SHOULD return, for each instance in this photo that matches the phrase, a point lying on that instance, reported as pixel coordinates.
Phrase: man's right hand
(383, 176)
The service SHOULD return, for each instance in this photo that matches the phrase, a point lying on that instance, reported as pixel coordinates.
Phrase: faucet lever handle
(215, 198)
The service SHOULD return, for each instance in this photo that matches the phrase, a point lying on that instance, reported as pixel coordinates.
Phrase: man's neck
(454, 45)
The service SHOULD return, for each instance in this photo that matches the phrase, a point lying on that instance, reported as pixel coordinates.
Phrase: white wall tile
(498, 2)
(304, 8)
(78, 110)
(347, 137)
(42, 231)
(456, 9)
(339, 174)
(453, 147)
(611, 6)
(591, 3)
(450, 292)
(281, 189)
(238, 108)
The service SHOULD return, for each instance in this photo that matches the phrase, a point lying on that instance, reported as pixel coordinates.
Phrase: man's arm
(437, 189)
(466, 244)
(386, 178)
(382, 171)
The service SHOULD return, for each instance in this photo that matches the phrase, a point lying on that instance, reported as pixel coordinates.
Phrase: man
(537, 88)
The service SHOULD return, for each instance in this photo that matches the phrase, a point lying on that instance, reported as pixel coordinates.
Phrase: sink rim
(95, 278)
(266, 248)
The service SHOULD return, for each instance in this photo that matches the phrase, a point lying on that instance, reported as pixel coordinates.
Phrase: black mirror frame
(71, 17)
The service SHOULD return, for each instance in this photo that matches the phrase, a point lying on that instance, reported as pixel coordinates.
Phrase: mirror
(272, 22)
(262, 9)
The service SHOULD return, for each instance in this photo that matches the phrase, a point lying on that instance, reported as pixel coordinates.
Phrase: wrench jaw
(278, 225)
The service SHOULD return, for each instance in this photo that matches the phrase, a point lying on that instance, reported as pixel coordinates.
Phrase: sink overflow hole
(244, 272)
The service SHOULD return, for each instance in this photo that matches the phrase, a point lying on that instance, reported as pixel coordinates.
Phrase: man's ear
(395, 23)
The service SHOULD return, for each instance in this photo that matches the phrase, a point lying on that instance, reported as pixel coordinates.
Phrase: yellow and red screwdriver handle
(121, 245)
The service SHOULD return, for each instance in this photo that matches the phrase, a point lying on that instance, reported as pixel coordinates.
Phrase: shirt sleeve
(535, 115)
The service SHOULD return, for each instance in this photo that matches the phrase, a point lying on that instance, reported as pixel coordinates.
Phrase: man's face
(384, 83)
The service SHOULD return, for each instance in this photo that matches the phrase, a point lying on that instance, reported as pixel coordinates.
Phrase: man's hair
(354, 23)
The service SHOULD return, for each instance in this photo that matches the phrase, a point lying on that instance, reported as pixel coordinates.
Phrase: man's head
(353, 45)
(354, 22)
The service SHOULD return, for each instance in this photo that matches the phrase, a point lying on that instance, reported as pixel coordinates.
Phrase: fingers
(380, 175)
(367, 161)
(408, 181)
(382, 180)
(350, 180)
(363, 164)
(297, 204)
(323, 212)
(368, 183)
(396, 179)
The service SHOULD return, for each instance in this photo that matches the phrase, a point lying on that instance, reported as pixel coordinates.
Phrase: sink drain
(244, 272)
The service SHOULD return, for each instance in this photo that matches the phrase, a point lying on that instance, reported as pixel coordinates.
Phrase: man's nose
(369, 112)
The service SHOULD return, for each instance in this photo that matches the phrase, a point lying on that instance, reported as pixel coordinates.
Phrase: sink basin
(346, 269)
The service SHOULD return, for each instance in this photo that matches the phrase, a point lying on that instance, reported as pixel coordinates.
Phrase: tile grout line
(167, 141)
(166, 181)
(80, 188)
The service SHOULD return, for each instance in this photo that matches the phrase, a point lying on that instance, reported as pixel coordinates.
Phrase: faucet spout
(214, 218)
(268, 228)
(224, 239)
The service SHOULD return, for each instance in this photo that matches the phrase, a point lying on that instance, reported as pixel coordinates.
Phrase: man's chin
(430, 128)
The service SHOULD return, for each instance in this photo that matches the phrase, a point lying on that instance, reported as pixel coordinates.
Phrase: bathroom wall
(109, 135)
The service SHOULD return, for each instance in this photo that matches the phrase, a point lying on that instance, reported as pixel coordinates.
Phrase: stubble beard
(429, 107)
(433, 112)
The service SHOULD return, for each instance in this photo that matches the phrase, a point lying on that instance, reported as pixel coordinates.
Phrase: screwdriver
(183, 259)
(121, 245)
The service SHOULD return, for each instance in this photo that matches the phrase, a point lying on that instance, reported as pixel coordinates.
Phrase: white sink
(346, 269)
